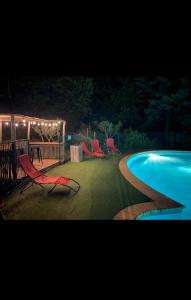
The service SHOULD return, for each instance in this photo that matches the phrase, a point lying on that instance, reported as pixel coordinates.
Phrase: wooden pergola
(14, 120)
(51, 153)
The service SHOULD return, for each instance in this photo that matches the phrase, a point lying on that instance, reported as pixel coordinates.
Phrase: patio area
(45, 164)
(42, 139)
(103, 193)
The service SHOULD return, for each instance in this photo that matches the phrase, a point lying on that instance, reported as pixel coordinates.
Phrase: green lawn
(103, 193)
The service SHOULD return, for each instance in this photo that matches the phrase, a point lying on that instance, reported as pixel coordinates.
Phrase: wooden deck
(40, 166)
(45, 163)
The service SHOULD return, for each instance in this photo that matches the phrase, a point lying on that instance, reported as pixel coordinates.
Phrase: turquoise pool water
(168, 172)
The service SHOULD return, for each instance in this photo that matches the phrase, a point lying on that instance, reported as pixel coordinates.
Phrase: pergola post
(29, 131)
(63, 132)
(61, 141)
(13, 129)
(13, 139)
(1, 132)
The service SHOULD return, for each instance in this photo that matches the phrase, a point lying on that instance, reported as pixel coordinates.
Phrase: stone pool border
(159, 201)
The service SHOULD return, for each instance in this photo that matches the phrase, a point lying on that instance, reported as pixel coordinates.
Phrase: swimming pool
(166, 172)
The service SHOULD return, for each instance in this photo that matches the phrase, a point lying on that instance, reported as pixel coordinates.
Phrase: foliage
(68, 98)
(77, 138)
(74, 99)
(132, 139)
(144, 102)
(109, 129)
(47, 133)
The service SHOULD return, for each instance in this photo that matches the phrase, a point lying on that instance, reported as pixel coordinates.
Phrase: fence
(50, 150)
(9, 153)
(174, 140)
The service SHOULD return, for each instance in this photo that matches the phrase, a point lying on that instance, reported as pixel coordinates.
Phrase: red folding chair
(110, 145)
(89, 153)
(39, 178)
(95, 146)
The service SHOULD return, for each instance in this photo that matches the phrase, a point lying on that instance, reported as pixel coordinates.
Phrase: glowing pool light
(154, 156)
(166, 172)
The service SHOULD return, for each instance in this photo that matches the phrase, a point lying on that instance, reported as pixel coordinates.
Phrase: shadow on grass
(60, 194)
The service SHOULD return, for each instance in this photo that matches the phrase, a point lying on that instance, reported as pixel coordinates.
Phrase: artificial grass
(103, 193)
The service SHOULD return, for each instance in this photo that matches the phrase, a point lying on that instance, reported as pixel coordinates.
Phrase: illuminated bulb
(24, 121)
(49, 125)
(16, 124)
(38, 124)
(42, 123)
(59, 122)
(45, 124)
(24, 124)
(56, 124)
(6, 123)
(34, 123)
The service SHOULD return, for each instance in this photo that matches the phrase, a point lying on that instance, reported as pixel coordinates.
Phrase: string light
(24, 123)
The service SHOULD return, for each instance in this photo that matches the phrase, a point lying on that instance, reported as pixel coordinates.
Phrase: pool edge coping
(158, 200)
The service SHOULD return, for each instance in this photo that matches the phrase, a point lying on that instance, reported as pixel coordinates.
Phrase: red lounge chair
(95, 146)
(89, 153)
(110, 145)
(39, 178)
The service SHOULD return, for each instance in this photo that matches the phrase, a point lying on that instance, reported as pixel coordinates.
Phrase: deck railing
(49, 150)
(9, 152)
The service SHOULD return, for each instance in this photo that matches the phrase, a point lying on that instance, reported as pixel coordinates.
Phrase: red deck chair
(110, 145)
(39, 178)
(95, 146)
(89, 153)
